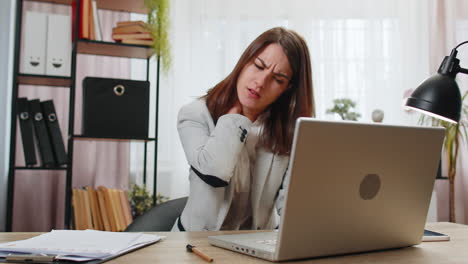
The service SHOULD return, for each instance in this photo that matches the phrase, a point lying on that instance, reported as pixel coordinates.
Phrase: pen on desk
(195, 250)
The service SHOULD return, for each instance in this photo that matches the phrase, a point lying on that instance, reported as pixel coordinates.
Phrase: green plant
(141, 200)
(455, 134)
(158, 23)
(342, 107)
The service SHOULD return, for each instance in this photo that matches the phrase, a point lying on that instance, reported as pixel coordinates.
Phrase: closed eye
(259, 66)
(279, 80)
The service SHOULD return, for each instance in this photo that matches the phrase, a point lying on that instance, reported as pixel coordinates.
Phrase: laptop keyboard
(270, 242)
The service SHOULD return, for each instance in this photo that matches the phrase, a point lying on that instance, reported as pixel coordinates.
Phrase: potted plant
(343, 107)
(141, 200)
(455, 134)
(158, 23)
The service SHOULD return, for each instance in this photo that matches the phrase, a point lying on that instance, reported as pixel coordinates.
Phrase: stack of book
(102, 209)
(132, 32)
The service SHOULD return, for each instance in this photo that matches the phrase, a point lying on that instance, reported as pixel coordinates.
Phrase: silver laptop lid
(357, 187)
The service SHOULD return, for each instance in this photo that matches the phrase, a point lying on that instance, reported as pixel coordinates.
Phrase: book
(84, 19)
(138, 42)
(87, 210)
(73, 17)
(95, 213)
(27, 134)
(97, 21)
(92, 32)
(145, 36)
(109, 210)
(128, 23)
(76, 209)
(55, 135)
(103, 210)
(118, 210)
(79, 211)
(125, 204)
(130, 29)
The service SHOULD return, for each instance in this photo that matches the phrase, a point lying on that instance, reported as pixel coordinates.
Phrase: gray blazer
(212, 152)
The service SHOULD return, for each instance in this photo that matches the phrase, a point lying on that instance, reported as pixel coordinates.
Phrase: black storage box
(115, 108)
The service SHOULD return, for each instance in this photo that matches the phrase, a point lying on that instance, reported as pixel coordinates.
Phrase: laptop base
(259, 245)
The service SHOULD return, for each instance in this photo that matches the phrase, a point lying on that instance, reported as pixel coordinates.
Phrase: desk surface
(172, 250)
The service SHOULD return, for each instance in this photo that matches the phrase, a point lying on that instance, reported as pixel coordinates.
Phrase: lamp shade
(438, 96)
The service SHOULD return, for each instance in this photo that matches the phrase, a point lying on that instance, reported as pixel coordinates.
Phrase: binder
(34, 49)
(26, 127)
(55, 135)
(40, 127)
(58, 45)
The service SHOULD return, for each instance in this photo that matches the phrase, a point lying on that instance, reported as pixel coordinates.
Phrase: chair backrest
(159, 218)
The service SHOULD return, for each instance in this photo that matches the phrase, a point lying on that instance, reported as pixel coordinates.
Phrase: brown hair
(278, 120)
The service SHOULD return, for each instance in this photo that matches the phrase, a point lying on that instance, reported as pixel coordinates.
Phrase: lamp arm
(451, 65)
(464, 42)
(460, 69)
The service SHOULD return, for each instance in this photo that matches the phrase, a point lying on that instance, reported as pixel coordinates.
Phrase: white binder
(58, 45)
(34, 49)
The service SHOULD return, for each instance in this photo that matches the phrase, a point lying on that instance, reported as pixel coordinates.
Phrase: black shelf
(41, 168)
(79, 46)
(115, 5)
(81, 137)
(45, 80)
(114, 49)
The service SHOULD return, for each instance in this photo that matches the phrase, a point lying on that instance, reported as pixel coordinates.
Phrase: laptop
(353, 187)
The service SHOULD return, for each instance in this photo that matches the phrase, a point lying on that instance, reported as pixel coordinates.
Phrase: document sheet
(79, 245)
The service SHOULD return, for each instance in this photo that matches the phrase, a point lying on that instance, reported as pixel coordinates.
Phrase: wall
(7, 8)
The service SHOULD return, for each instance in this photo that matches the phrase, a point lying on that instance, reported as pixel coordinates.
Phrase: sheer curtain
(369, 51)
(449, 27)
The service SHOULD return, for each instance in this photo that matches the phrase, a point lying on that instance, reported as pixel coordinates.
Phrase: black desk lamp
(439, 96)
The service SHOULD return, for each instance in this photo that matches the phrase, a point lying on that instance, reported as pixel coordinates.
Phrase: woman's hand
(237, 109)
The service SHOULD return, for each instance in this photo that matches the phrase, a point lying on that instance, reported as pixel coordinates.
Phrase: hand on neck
(252, 115)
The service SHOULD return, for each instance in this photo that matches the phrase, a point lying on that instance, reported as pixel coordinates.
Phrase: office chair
(159, 218)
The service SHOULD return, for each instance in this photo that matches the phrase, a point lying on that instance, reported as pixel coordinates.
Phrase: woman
(237, 138)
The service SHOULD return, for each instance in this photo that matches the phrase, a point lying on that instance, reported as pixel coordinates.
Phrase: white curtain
(374, 52)
(369, 51)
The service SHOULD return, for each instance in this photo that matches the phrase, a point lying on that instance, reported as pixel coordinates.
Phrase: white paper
(79, 245)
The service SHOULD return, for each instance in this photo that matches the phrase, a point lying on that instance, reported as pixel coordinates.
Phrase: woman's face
(263, 80)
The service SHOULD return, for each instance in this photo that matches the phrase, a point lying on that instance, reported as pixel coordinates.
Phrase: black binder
(56, 139)
(45, 148)
(26, 127)
(115, 108)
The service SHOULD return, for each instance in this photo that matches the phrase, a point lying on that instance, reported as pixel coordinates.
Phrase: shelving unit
(79, 46)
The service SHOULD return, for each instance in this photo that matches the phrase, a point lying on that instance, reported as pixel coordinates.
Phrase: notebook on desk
(353, 187)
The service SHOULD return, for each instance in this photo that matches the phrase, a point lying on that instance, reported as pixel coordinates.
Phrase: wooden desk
(172, 250)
